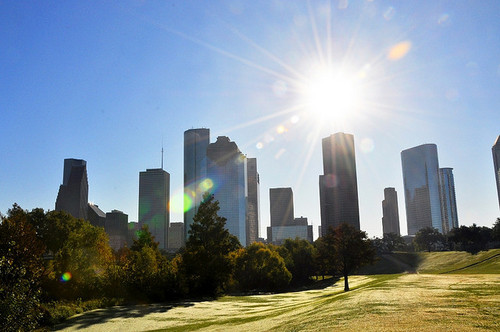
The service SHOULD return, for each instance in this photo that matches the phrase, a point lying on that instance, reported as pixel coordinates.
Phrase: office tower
(448, 200)
(390, 218)
(297, 228)
(496, 163)
(117, 229)
(175, 236)
(338, 187)
(227, 170)
(253, 206)
(133, 230)
(281, 204)
(73, 196)
(421, 183)
(154, 196)
(96, 216)
(195, 172)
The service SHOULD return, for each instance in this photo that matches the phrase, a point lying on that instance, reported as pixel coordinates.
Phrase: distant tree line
(472, 239)
(51, 257)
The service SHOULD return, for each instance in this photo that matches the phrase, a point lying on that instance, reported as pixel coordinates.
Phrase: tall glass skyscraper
(496, 163)
(390, 218)
(253, 204)
(281, 204)
(154, 196)
(73, 195)
(448, 200)
(195, 172)
(227, 171)
(338, 187)
(421, 182)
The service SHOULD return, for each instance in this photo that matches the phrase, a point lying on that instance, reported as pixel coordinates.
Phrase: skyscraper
(117, 229)
(421, 182)
(227, 171)
(338, 187)
(73, 195)
(154, 195)
(390, 218)
(448, 200)
(496, 163)
(253, 206)
(195, 172)
(281, 204)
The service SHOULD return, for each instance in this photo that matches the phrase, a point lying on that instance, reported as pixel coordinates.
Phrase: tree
(347, 249)
(429, 239)
(259, 267)
(471, 238)
(149, 274)
(299, 257)
(21, 269)
(206, 264)
(495, 232)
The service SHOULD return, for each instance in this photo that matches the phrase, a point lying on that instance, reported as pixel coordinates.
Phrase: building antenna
(162, 152)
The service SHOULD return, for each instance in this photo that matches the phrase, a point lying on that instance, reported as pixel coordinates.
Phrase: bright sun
(331, 95)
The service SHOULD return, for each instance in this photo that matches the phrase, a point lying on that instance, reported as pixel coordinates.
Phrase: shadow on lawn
(100, 316)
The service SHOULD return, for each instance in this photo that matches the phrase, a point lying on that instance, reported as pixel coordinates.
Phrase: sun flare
(331, 95)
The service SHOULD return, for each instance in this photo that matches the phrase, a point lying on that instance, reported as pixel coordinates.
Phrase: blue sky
(109, 81)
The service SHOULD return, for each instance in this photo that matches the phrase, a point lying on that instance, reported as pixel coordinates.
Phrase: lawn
(467, 299)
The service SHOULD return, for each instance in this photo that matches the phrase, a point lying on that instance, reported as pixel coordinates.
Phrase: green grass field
(452, 291)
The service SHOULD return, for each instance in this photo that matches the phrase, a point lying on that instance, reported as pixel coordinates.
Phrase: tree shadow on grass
(99, 316)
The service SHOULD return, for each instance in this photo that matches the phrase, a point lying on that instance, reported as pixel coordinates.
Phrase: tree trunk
(346, 283)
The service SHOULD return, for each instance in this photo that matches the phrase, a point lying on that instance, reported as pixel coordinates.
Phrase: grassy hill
(452, 291)
(485, 262)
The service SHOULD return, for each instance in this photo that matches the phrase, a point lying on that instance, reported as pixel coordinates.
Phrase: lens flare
(188, 203)
(206, 185)
(281, 129)
(66, 276)
(367, 145)
(259, 145)
(399, 50)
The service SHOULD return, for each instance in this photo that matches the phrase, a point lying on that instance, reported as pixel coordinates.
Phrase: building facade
(175, 236)
(96, 216)
(73, 195)
(338, 187)
(281, 205)
(196, 142)
(421, 183)
(390, 213)
(227, 171)
(448, 199)
(253, 204)
(496, 163)
(117, 229)
(154, 196)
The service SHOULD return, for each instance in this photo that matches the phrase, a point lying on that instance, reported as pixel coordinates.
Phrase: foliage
(299, 257)
(471, 239)
(260, 267)
(495, 232)
(21, 269)
(148, 273)
(389, 243)
(206, 264)
(347, 249)
(429, 239)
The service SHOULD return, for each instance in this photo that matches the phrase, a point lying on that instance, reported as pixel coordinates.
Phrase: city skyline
(146, 72)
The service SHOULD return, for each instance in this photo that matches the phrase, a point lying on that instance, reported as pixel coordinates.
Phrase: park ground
(450, 291)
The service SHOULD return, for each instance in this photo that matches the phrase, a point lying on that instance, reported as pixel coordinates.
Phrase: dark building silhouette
(448, 200)
(496, 163)
(175, 236)
(390, 218)
(281, 204)
(338, 187)
(73, 195)
(196, 142)
(253, 206)
(421, 182)
(96, 216)
(117, 229)
(154, 196)
(227, 174)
